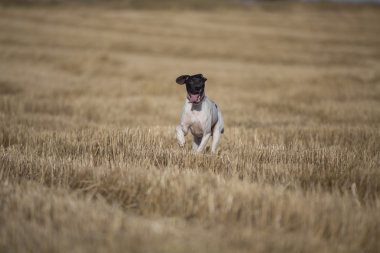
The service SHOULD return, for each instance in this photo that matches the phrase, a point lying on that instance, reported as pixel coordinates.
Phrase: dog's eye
(196, 82)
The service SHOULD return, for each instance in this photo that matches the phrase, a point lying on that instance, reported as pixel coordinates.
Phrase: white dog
(201, 115)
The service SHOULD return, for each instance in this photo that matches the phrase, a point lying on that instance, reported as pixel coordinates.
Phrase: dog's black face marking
(195, 86)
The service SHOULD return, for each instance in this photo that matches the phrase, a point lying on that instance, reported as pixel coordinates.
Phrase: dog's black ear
(182, 79)
(201, 76)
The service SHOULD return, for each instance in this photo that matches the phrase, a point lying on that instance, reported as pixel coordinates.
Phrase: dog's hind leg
(215, 137)
(203, 143)
(196, 142)
(220, 122)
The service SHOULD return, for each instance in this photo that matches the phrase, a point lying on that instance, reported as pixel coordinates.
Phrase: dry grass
(88, 107)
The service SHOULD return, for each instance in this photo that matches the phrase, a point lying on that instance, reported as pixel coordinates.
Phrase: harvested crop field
(88, 108)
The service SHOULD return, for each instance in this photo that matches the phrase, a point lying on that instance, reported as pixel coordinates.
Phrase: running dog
(200, 115)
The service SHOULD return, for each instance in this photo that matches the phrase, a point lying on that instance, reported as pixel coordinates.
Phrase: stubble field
(89, 105)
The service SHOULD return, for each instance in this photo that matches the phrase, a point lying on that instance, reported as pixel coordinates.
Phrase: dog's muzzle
(195, 98)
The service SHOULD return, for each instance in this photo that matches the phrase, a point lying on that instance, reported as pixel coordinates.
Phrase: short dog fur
(200, 115)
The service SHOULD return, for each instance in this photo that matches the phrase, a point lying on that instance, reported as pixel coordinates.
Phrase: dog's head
(195, 86)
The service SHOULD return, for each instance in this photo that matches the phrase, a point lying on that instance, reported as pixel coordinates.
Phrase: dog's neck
(198, 106)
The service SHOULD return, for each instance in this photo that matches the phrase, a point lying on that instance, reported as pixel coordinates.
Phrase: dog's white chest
(196, 122)
(199, 118)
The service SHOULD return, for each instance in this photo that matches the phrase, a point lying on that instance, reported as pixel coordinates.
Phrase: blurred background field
(89, 104)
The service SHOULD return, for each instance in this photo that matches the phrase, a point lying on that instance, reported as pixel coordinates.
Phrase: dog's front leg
(215, 140)
(203, 142)
(181, 133)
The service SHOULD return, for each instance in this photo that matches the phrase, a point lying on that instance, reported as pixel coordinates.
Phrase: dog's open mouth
(194, 98)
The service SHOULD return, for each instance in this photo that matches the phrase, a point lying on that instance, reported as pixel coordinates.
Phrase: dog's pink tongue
(193, 98)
